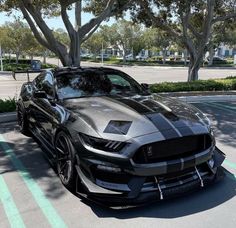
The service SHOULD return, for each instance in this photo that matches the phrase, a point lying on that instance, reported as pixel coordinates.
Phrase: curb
(207, 96)
(5, 73)
(215, 98)
(8, 117)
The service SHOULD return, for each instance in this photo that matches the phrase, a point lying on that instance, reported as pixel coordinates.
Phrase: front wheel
(22, 121)
(65, 160)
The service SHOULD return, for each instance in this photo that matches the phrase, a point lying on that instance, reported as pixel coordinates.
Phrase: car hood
(130, 117)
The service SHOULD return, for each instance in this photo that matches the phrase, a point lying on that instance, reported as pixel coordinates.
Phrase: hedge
(7, 105)
(225, 84)
(14, 66)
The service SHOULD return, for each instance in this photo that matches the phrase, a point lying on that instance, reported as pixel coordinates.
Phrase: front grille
(172, 149)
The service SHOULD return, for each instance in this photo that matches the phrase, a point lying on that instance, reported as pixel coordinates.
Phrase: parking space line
(230, 164)
(9, 206)
(222, 107)
(47, 208)
(226, 106)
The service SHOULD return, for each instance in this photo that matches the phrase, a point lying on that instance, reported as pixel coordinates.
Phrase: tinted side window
(45, 83)
(38, 81)
(118, 80)
(48, 84)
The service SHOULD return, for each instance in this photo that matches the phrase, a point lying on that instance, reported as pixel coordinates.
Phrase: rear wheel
(22, 121)
(65, 160)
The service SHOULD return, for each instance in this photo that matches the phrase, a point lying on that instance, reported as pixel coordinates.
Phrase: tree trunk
(194, 66)
(185, 56)
(211, 56)
(74, 58)
(17, 57)
(124, 54)
(44, 57)
(164, 56)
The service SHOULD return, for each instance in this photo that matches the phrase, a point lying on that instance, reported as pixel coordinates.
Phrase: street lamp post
(1, 63)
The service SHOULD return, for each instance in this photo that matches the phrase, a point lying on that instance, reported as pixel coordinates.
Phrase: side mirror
(145, 86)
(40, 94)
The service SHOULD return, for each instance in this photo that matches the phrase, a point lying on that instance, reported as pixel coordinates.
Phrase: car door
(45, 111)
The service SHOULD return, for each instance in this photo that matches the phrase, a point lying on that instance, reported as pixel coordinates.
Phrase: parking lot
(31, 194)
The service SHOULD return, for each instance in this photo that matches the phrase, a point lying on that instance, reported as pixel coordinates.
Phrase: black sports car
(113, 140)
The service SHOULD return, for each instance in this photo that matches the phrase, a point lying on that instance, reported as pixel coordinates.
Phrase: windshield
(94, 83)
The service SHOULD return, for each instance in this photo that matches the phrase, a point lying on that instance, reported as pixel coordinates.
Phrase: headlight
(102, 144)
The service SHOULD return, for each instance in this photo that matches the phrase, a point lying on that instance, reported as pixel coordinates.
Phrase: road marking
(226, 106)
(9, 205)
(48, 210)
(222, 107)
(230, 164)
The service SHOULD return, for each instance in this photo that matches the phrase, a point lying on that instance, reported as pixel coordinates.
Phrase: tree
(19, 38)
(95, 42)
(35, 12)
(123, 34)
(190, 22)
(224, 32)
(154, 37)
(3, 38)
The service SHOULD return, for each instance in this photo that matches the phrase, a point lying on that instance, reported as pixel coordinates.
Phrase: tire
(22, 121)
(65, 161)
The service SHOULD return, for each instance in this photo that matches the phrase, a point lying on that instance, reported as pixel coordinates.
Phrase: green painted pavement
(47, 208)
(230, 164)
(9, 206)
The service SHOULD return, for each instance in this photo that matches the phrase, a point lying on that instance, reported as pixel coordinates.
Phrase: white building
(226, 51)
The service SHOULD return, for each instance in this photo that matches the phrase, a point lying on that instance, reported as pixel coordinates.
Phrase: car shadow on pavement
(200, 201)
(34, 161)
(223, 121)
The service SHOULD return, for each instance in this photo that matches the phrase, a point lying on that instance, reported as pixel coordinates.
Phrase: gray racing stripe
(163, 125)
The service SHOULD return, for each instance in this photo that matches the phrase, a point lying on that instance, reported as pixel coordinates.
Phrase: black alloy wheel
(65, 160)
(23, 121)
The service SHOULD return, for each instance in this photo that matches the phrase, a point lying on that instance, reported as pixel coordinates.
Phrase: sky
(53, 23)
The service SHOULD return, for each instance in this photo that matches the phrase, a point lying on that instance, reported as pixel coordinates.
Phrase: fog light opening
(109, 169)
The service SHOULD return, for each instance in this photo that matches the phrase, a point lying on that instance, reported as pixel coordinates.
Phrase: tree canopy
(34, 12)
(190, 22)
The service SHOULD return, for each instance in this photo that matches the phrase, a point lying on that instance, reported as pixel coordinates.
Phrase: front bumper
(129, 184)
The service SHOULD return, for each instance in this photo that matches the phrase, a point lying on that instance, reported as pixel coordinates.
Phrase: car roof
(63, 70)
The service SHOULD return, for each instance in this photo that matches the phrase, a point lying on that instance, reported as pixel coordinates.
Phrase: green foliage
(18, 37)
(47, 65)
(201, 85)
(7, 105)
(24, 64)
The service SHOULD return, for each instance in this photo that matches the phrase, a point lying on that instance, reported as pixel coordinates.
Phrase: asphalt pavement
(31, 194)
(11, 88)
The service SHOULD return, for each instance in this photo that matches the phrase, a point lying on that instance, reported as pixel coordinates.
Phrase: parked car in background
(141, 57)
(216, 60)
(129, 57)
(104, 56)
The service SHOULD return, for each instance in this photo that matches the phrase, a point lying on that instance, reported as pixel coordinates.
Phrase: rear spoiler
(25, 71)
